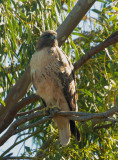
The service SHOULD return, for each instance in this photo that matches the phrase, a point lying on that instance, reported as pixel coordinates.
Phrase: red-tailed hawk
(53, 78)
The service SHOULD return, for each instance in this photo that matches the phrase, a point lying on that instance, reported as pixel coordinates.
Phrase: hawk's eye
(47, 36)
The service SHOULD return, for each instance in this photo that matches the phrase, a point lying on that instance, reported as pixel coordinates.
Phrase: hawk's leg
(51, 109)
(44, 110)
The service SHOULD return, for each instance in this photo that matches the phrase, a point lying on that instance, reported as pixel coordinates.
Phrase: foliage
(21, 23)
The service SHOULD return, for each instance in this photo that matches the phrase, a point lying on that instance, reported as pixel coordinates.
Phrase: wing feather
(70, 91)
(68, 81)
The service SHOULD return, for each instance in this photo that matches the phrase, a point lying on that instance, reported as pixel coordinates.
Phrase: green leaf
(112, 18)
(103, 1)
(86, 92)
(80, 35)
(27, 149)
(96, 11)
(115, 8)
(2, 102)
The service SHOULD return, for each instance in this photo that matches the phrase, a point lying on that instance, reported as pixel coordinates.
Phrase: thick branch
(72, 20)
(15, 94)
(88, 116)
(8, 119)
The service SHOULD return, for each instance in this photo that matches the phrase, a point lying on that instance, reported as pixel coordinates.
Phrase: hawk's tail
(64, 135)
(75, 131)
(64, 130)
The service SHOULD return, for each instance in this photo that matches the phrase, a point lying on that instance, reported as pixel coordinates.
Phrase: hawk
(53, 79)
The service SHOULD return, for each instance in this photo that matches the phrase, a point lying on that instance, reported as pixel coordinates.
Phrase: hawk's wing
(70, 91)
(68, 82)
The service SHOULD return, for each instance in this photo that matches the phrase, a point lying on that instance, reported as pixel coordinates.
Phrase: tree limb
(15, 94)
(9, 118)
(87, 116)
(112, 39)
(72, 20)
(76, 116)
(18, 122)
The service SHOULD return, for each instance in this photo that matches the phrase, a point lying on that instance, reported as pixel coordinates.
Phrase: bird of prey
(53, 79)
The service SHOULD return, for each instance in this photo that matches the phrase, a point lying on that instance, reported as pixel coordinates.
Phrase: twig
(106, 126)
(28, 112)
(22, 157)
(32, 125)
(16, 143)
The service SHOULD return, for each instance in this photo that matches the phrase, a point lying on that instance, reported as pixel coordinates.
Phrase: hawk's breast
(51, 74)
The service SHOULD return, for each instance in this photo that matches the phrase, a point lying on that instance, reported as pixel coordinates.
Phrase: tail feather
(64, 136)
(75, 131)
(64, 130)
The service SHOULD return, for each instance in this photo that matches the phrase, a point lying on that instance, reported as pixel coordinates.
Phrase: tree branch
(81, 116)
(32, 125)
(31, 111)
(9, 118)
(72, 20)
(15, 94)
(104, 126)
(76, 116)
(112, 39)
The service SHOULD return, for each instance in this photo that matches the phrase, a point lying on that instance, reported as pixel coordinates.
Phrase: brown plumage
(53, 78)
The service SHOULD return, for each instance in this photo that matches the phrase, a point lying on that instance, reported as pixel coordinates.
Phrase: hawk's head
(47, 39)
